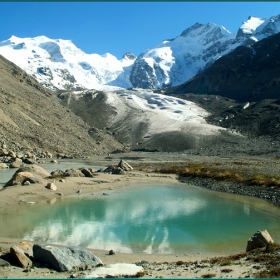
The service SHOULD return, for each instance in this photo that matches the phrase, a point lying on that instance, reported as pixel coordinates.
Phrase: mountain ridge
(59, 64)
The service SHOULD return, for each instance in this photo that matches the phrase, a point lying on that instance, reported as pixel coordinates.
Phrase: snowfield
(162, 113)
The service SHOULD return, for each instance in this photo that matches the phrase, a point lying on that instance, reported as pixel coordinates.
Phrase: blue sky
(118, 27)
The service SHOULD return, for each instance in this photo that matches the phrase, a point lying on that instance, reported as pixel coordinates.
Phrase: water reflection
(150, 219)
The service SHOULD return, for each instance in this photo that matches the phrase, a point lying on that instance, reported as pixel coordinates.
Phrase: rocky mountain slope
(33, 120)
(174, 61)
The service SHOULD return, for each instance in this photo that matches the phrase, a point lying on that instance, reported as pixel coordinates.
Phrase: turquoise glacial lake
(146, 218)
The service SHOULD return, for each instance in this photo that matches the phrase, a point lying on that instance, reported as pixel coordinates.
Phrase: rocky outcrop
(65, 258)
(259, 240)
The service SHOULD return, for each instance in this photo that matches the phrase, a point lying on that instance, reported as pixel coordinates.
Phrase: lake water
(146, 218)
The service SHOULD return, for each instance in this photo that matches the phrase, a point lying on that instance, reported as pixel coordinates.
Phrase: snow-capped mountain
(59, 64)
(173, 62)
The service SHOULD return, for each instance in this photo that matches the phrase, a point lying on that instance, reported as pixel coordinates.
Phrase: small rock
(30, 202)
(112, 252)
(51, 186)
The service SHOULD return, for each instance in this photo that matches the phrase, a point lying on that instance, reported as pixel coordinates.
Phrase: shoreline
(158, 265)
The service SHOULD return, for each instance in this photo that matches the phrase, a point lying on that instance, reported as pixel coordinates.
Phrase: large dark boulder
(65, 258)
(259, 240)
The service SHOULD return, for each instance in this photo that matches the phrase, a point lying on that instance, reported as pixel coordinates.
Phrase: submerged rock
(65, 258)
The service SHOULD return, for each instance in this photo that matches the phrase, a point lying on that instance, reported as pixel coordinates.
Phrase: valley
(200, 110)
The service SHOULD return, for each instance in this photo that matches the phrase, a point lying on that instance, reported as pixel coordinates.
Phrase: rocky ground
(33, 120)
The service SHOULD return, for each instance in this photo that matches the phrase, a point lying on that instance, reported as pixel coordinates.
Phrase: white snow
(162, 113)
(251, 24)
(58, 63)
(56, 55)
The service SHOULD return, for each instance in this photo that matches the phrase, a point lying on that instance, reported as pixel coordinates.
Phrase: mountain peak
(249, 27)
(129, 56)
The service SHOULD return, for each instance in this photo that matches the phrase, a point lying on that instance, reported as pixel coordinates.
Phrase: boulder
(28, 155)
(86, 172)
(37, 170)
(109, 169)
(30, 161)
(27, 248)
(124, 165)
(12, 154)
(19, 257)
(73, 173)
(57, 172)
(65, 258)
(16, 163)
(51, 186)
(33, 170)
(18, 178)
(259, 240)
(32, 180)
(118, 171)
(3, 166)
(4, 152)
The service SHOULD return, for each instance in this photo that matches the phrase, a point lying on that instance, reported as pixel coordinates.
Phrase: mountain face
(249, 73)
(173, 62)
(59, 64)
(32, 119)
